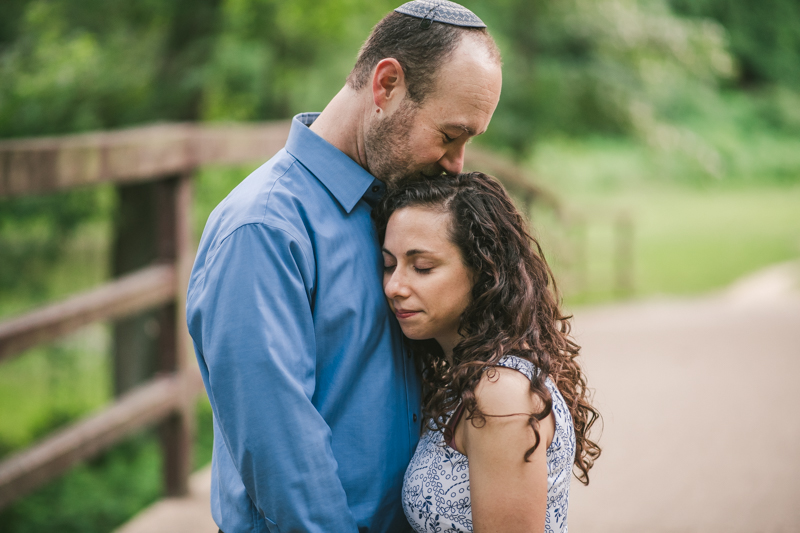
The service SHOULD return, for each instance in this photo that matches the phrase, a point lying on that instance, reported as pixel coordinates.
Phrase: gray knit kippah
(441, 11)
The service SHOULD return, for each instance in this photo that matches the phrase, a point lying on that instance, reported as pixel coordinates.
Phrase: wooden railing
(166, 156)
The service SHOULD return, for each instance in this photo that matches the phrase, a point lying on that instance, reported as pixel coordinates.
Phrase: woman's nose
(395, 285)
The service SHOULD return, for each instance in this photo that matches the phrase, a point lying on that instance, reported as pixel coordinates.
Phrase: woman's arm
(508, 494)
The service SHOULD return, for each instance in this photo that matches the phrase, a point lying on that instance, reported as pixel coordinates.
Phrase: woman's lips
(404, 313)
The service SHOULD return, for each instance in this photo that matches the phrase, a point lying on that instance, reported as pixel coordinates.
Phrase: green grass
(690, 235)
(53, 384)
(101, 494)
(94, 497)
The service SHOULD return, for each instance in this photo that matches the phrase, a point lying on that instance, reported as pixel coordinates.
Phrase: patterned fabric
(441, 11)
(436, 486)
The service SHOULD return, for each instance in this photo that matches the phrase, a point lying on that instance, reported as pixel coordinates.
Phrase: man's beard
(387, 145)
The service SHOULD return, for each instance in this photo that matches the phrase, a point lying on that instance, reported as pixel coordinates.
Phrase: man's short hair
(419, 50)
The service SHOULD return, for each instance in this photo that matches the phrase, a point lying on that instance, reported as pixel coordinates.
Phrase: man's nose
(453, 160)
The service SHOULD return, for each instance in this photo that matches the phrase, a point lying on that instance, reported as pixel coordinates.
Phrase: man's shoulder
(272, 197)
(273, 194)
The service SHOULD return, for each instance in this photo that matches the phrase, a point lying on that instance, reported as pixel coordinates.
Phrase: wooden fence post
(624, 254)
(134, 337)
(174, 245)
(581, 256)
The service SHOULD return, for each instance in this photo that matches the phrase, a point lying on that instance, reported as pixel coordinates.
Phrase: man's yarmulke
(441, 11)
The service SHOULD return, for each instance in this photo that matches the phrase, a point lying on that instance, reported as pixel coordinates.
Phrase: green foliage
(689, 235)
(102, 494)
(71, 66)
(272, 59)
(764, 35)
(95, 497)
(49, 386)
(599, 67)
(36, 232)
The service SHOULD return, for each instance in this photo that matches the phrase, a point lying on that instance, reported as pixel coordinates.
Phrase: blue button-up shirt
(314, 400)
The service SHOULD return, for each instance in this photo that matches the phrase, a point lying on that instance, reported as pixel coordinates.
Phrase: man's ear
(388, 84)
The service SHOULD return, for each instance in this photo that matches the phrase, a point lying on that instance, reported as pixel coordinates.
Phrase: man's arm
(251, 318)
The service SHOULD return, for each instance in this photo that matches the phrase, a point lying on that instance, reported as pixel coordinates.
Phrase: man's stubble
(387, 146)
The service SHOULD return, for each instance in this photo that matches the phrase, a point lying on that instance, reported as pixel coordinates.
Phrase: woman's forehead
(417, 228)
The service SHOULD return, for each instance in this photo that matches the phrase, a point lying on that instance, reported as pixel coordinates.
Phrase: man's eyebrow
(464, 127)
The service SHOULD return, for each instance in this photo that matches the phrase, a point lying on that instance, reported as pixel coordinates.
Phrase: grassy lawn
(688, 237)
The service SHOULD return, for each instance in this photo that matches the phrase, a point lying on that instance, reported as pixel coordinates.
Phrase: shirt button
(414, 418)
(375, 188)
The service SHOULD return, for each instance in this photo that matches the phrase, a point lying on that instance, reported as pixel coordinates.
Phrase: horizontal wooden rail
(144, 406)
(147, 153)
(135, 292)
(40, 165)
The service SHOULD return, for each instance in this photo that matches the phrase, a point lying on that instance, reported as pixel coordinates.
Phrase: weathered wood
(23, 472)
(174, 244)
(147, 288)
(238, 143)
(623, 257)
(135, 337)
(147, 153)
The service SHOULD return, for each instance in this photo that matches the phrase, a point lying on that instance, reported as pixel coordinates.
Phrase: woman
(506, 413)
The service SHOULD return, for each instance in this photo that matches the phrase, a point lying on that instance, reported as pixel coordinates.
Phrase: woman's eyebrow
(387, 252)
(417, 252)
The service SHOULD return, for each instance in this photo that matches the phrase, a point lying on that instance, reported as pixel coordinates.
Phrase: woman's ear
(388, 84)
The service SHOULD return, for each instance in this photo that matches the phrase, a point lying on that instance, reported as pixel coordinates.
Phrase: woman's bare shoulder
(505, 391)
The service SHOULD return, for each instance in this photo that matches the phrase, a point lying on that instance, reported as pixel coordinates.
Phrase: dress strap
(517, 363)
(450, 427)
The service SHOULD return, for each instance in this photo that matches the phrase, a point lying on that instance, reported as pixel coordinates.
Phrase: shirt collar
(346, 180)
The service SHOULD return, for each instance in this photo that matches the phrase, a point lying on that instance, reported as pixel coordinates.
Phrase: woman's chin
(414, 334)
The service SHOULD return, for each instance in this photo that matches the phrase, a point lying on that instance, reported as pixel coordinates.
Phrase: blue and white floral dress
(436, 485)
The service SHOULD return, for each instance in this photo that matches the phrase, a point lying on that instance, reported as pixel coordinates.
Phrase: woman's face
(424, 278)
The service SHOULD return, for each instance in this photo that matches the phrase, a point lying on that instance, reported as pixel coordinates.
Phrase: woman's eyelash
(388, 268)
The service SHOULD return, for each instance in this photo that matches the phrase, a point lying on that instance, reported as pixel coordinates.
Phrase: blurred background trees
(574, 67)
(697, 91)
(685, 114)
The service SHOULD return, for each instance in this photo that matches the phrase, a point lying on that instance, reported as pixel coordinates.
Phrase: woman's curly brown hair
(514, 308)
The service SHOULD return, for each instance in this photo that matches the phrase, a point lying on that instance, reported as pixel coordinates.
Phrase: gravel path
(700, 405)
(699, 399)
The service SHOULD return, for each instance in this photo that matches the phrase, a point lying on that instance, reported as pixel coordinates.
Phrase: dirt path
(701, 412)
(699, 397)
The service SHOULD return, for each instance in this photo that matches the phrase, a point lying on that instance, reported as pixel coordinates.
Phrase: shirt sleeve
(251, 320)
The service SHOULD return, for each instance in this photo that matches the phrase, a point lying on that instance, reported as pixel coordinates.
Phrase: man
(315, 404)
